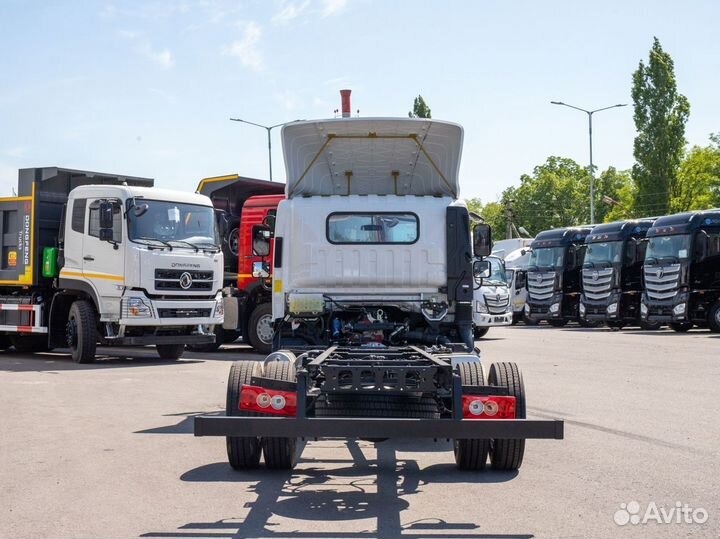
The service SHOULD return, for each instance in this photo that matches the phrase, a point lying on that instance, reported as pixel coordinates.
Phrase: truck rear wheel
(81, 331)
(588, 323)
(681, 327)
(714, 318)
(558, 323)
(471, 454)
(508, 454)
(260, 328)
(650, 326)
(170, 351)
(479, 333)
(243, 452)
(280, 453)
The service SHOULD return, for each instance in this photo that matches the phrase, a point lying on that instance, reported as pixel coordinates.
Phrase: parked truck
(373, 276)
(612, 274)
(554, 276)
(92, 258)
(491, 298)
(245, 211)
(682, 271)
(515, 253)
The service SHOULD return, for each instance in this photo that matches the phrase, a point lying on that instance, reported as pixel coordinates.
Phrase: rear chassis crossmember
(386, 371)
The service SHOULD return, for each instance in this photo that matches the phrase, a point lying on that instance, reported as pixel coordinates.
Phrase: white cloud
(163, 58)
(290, 11)
(246, 49)
(333, 7)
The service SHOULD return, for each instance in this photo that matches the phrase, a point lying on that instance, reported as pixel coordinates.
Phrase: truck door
(104, 259)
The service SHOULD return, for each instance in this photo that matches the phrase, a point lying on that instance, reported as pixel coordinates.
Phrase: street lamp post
(592, 173)
(268, 129)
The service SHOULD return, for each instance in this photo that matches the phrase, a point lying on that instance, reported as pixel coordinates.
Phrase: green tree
(660, 116)
(698, 178)
(420, 109)
(614, 195)
(493, 213)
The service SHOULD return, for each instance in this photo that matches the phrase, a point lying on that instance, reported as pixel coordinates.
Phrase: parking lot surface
(106, 450)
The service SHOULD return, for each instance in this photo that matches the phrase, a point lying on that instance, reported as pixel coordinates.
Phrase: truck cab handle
(88, 257)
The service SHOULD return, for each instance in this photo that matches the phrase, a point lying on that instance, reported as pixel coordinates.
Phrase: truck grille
(497, 303)
(661, 282)
(184, 313)
(597, 283)
(540, 285)
(170, 279)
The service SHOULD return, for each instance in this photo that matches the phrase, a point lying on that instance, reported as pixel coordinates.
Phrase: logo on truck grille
(595, 276)
(185, 280)
(659, 273)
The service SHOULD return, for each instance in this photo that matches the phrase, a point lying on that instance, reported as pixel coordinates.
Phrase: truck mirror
(481, 269)
(702, 240)
(105, 234)
(521, 280)
(571, 257)
(269, 222)
(631, 249)
(140, 209)
(106, 215)
(259, 270)
(482, 239)
(261, 241)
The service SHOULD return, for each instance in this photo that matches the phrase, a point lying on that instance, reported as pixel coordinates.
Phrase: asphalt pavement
(106, 451)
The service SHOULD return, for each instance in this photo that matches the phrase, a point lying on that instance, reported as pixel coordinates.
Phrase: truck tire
(403, 406)
(714, 318)
(242, 452)
(260, 328)
(531, 322)
(508, 454)
(5, 342)
(81, 331)
(615, 325)
(588, 324)
(479, 333)
(29, 344)
(471, 454)
(681, 327)
(558, 323)
(209, 347)
(280, 453)
(650, 326)
(170, 351)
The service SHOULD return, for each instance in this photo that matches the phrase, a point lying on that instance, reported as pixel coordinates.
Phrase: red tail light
(268, 401)
(491, 407)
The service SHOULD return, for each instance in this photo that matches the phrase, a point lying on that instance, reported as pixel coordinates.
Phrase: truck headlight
(480, 307)
(555, 307)
(582, 309)
(137, 308)
(643, 309)
(612, 308)
(219, 307)
(679, 308)
(526, 309)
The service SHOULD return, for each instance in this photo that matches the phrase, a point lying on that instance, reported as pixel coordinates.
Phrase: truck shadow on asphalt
(353, 489)
(60, 360)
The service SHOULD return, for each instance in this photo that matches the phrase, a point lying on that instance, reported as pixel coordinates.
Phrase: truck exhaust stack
(345, 97)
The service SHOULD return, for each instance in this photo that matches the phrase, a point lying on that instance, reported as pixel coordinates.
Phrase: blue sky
(147, 88)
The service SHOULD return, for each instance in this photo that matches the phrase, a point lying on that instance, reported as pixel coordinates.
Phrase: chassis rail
(213, 425)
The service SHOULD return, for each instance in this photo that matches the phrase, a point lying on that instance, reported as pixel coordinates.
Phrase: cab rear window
(372, 228)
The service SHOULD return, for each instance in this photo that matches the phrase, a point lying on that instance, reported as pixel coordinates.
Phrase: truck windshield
(603, 254)
(663, 248)
(497, 272)
(173, 224)
(547, 257)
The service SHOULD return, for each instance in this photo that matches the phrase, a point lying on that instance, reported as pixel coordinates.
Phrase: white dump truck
(374, 272)
(91, 258)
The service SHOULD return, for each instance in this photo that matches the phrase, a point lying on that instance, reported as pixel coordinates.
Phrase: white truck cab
(372, 243)
(492, 306)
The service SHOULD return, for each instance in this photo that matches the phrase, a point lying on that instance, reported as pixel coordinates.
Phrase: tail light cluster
(490, 407)
(268, 401)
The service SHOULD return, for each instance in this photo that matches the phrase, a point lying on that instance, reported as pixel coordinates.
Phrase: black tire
(588, 323)
(170, 351)
(243, 452)
(650, 326)
(209, 347)
(29, 344)
(508, 454)
(5, 342)
(681, 327)
(280, 453)
(396, 406)
(714, 318)
(558, 323)
(531, 322)
(471, 454)
(259, 333)
(479, 333)
(81, 331)
(615, 325)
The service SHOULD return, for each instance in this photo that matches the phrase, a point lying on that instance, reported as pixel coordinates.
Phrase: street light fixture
(592, 173)
(268, 128)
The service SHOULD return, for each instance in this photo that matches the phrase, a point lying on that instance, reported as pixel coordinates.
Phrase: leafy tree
(660, 116)
(493, 213)
(698, 178)
(614, 195)
(420, 109)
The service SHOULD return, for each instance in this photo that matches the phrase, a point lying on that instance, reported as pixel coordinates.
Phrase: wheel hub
(265, 329)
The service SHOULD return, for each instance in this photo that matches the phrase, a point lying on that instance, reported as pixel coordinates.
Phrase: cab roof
(683, 223)
(149, 193)
(366, 156)
(619, 230)
(561, 236)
